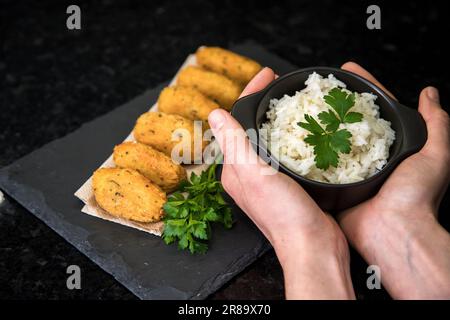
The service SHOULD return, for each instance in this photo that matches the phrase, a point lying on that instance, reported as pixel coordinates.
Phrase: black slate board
(45, 180)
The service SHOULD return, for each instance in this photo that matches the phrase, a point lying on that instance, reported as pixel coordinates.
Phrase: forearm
(413, 254)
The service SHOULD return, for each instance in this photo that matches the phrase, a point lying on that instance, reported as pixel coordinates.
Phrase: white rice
(370, 141)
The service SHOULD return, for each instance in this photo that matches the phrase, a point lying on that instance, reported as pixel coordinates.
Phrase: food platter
(45, 180)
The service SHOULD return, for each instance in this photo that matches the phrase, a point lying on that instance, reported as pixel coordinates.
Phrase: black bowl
(409, 126)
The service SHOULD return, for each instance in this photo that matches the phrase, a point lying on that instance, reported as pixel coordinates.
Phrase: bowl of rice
(385, 133)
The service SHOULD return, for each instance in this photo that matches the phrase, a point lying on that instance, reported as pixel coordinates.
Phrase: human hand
(397, 229)
(309, 244)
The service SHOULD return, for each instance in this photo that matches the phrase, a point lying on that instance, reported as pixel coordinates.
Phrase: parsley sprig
(190, 211)
(329, 141)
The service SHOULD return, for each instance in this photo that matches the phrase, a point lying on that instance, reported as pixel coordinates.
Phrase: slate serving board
(45, 180)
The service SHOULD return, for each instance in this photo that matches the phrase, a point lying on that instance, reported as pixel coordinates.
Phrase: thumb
(231, 137)
(437, 122)
(233, 142)
(259, 81)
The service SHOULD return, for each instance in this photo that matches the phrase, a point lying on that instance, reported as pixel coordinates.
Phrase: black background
(52, 80)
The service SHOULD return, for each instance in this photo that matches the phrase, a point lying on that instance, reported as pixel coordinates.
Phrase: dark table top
(53, 80)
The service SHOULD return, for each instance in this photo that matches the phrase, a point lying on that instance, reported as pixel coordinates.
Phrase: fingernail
(433, 94)
(216, 119)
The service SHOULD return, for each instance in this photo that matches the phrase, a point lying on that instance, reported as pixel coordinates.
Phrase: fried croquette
(164, 132)
(154, 165)
(125, 193)
(216, 86)
(230, 64)
(187, 102)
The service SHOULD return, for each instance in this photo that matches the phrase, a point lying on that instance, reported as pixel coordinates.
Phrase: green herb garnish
(329, 141)
(190, 211)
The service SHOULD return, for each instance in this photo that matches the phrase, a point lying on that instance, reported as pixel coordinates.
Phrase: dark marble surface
(53, 80)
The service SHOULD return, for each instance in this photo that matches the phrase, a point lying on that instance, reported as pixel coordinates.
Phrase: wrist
(313, 274)
(374, 221)
(323, 237)
(408, 248)
(315, 262)
(371, 227)
(291, 249)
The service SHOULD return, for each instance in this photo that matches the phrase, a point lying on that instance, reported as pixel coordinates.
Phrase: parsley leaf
(330, 120)
(325, 155)
(190, 211)
(329, 142)
(353, 117)
(340, 141)
(340, 101)
(311, 125)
